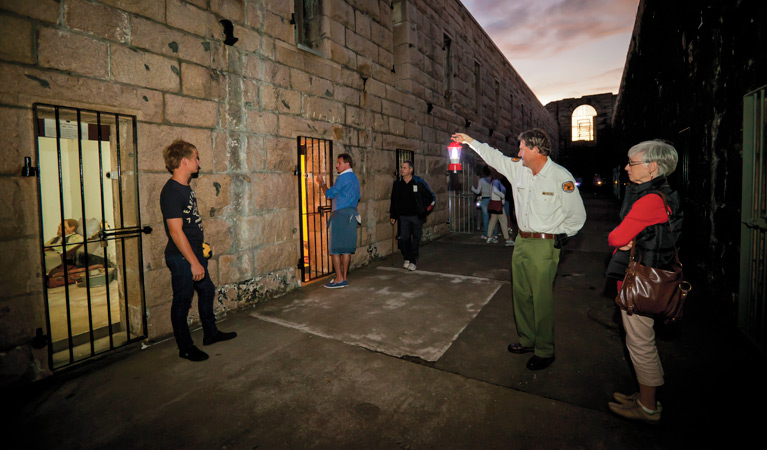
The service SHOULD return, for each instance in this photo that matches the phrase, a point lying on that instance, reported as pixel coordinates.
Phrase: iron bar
(137, 206)
(103, 226)
(124, 267)
(36, 125)
(62, 229)
(85, 232)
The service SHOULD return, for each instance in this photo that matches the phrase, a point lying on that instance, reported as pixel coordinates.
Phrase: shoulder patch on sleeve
(515, 158)
(568, 186)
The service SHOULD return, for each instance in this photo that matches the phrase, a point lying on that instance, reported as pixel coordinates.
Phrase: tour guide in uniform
(549, 209)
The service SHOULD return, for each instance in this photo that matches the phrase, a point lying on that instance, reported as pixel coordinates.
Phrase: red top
(645, 212)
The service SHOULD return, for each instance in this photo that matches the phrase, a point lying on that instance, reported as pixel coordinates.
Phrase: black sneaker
(193, 354)
(218, 337)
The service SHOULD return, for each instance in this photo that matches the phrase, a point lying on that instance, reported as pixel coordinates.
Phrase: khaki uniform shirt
(548, 202)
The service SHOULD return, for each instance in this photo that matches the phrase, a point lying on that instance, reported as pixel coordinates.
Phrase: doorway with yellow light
(315, 157)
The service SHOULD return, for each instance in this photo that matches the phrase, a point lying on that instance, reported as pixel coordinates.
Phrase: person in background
(69, 236)
(644, 217)
(507, 203)
(411, 201)
(483, 189)
(498, 216)
(549, 210)
(342, 226)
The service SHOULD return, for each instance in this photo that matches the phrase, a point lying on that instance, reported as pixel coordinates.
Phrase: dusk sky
(561, 48)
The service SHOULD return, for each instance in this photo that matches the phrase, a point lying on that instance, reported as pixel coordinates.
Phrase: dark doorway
(752, 313)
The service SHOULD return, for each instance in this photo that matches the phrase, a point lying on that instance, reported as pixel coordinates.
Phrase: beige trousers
(640, 341)
(504, 226)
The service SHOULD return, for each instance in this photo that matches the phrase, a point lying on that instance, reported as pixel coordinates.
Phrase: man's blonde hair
(175, 152)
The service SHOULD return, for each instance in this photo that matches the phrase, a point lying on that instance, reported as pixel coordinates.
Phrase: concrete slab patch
(416, 314)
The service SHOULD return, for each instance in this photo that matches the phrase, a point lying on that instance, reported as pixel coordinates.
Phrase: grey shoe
(406, 265)
(411, 266)
(510, 243)
(492, 240)
(634, 411)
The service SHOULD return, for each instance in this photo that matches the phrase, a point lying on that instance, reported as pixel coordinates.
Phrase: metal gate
(752, 314)
(464, 215)
(90, 230)
(402, 156)
(315, 157)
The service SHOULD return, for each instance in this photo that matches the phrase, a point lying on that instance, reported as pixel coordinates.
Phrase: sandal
(519, 348)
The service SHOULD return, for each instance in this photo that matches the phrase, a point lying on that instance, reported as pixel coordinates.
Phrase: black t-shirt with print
(178, 201)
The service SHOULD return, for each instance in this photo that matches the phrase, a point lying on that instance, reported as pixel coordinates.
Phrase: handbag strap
(666, 209)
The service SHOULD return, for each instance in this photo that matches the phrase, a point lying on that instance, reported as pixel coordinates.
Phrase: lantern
(454, 152)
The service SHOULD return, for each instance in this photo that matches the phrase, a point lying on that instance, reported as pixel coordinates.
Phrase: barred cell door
(464, 215)
(315, 157)
(752, 308)
(91, 232)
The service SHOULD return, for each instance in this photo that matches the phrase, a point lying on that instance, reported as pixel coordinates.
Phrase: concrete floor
(409, 360)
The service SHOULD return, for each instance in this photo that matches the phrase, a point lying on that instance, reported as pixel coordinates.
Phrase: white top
(484, 189)
(548, 202)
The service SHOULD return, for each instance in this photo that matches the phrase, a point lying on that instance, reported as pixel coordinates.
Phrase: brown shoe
(634, 411)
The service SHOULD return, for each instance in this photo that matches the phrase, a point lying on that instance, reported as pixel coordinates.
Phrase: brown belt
(527, 235)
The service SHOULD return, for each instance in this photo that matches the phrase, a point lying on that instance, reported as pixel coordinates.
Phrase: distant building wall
(370, 76)
(585, 158)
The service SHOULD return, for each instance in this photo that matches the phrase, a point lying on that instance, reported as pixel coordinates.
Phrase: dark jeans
(183, 291)
(410, 225)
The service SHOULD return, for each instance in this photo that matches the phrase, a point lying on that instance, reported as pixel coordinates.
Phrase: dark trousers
(411, 229)
(183, 291)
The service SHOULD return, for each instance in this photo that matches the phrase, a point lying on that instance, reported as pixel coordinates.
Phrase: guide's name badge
(415, 188)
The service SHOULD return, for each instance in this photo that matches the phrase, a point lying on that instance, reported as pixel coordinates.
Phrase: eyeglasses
(635, 163)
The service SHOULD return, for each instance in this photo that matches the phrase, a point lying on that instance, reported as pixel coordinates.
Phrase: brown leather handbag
(652, 292)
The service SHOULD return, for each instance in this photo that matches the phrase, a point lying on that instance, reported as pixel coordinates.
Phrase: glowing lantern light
(454, 150)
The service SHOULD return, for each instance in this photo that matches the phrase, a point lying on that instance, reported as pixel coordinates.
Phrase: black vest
(655, 244)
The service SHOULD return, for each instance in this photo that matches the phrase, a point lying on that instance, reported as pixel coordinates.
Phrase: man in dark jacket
(411, 202)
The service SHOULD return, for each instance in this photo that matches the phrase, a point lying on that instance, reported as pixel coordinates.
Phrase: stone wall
(373, 83)
(688, 68)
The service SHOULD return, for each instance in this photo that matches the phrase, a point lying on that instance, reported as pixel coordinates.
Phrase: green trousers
(533, 268)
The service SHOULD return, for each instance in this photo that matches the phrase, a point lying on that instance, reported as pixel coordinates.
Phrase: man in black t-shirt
(183, 254)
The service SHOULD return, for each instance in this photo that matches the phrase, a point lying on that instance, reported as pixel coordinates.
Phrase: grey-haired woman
(644, 216)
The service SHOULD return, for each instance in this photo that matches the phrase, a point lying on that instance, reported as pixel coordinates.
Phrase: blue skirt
(342, 231)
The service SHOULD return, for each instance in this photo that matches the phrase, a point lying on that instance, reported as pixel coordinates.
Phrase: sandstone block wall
(374, 83)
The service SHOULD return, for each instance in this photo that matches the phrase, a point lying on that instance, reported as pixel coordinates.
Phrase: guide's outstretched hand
(462, 138)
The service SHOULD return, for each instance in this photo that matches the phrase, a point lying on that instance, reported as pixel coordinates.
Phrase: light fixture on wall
(28, 170)
(229, 38)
